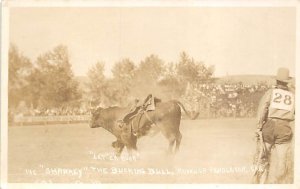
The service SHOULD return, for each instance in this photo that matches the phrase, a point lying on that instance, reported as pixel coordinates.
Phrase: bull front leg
(118, 145)
(130, 142)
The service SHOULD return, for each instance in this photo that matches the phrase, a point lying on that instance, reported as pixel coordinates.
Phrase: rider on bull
(276, 112)
(147, 104)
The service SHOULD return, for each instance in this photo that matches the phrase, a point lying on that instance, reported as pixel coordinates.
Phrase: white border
(155, 3)
(149, 186)
(297, 85)
(6, 4)
(4, 89)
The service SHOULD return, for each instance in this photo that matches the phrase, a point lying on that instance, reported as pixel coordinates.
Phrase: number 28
(287, 99)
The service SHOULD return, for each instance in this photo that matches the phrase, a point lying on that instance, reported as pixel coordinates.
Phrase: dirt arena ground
(212, 151)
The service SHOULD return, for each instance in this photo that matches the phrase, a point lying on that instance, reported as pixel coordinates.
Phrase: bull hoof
(118, 154)
(114, 144)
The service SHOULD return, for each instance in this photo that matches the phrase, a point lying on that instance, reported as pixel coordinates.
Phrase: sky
(236, 40)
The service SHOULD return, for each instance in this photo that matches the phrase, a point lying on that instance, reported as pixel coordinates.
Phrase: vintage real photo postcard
(95, 93)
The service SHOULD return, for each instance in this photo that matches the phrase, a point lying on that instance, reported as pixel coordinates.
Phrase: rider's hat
(283, 75)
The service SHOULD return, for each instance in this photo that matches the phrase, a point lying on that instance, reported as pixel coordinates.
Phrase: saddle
(137, 109)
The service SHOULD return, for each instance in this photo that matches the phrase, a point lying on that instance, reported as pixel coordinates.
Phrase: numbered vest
(282, 104)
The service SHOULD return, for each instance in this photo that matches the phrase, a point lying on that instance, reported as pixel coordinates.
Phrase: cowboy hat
(283, 75)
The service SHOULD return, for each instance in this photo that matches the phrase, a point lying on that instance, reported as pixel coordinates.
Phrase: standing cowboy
(276, 111)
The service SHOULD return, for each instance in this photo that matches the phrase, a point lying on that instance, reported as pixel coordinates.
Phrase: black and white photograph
(132, 94)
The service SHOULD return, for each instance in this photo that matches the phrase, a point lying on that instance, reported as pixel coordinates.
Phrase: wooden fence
(45, 120)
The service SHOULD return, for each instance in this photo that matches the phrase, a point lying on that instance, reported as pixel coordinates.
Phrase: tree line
(49, 82)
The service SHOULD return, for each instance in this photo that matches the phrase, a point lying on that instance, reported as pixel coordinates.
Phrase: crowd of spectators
(211, 100)
(53, 111)
(224, 100)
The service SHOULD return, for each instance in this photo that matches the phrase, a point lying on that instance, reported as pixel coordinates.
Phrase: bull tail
(191, 115)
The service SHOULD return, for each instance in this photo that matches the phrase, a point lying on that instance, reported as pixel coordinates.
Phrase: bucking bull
(165, 118)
